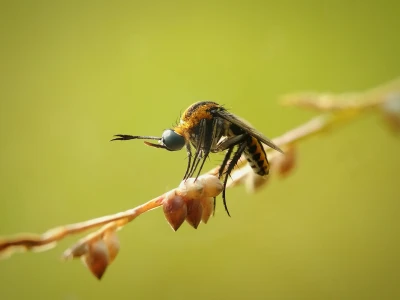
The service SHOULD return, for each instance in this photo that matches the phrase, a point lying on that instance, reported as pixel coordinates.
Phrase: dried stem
(45, 241)
(34, 242)
(192, 200)
(358, 101)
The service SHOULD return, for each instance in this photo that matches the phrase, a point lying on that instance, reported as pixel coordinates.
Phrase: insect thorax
(216, 133)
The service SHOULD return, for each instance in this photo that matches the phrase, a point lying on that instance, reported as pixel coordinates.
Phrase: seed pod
(97, 258)
(284, 164)
(212, 186)
(194, 212)
(112, 242)
(175, 210)
(208, 207)
(190, 188)
(254, 182)
(391, 111)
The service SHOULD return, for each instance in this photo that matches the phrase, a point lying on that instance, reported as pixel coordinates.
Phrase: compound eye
(172, 140)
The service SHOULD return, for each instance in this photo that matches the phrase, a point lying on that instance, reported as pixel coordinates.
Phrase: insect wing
(246, 127)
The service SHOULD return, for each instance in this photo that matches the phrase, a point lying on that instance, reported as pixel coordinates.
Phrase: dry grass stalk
(192, 201)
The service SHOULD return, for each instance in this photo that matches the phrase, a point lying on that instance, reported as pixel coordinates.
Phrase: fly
(209, 128)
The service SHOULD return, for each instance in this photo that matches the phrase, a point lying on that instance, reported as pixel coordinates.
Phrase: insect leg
(231, 165)
(199, 147)
(222, 167)
(209, 136)
(197, 153)
(189, 156)
(231, 142)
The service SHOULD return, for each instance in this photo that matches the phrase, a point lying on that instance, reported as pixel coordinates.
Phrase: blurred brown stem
(340, 107)
(26, 242)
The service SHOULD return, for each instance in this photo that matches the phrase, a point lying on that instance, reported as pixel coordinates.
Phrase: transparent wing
(246, 127)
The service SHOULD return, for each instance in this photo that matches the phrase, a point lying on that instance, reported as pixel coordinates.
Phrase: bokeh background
(73, 73)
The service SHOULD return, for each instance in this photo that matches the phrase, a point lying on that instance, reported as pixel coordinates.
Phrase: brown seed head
(194, 211)
(175, 210)
(97, 258)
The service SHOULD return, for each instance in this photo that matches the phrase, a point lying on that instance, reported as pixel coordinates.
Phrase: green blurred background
(75, 73)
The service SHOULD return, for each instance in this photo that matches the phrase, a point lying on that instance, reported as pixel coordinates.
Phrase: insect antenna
(126, 137)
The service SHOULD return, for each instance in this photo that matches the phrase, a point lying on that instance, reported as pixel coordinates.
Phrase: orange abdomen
(256, 156)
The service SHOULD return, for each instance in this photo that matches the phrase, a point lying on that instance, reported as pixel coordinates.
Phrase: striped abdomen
(256, 156)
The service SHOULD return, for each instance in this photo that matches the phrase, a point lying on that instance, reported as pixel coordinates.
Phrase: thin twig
(192, 200)
(45, 241)
(36, 242)
(359, 101)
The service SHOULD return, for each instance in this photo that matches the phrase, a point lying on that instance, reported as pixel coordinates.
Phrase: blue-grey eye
(172, 140)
